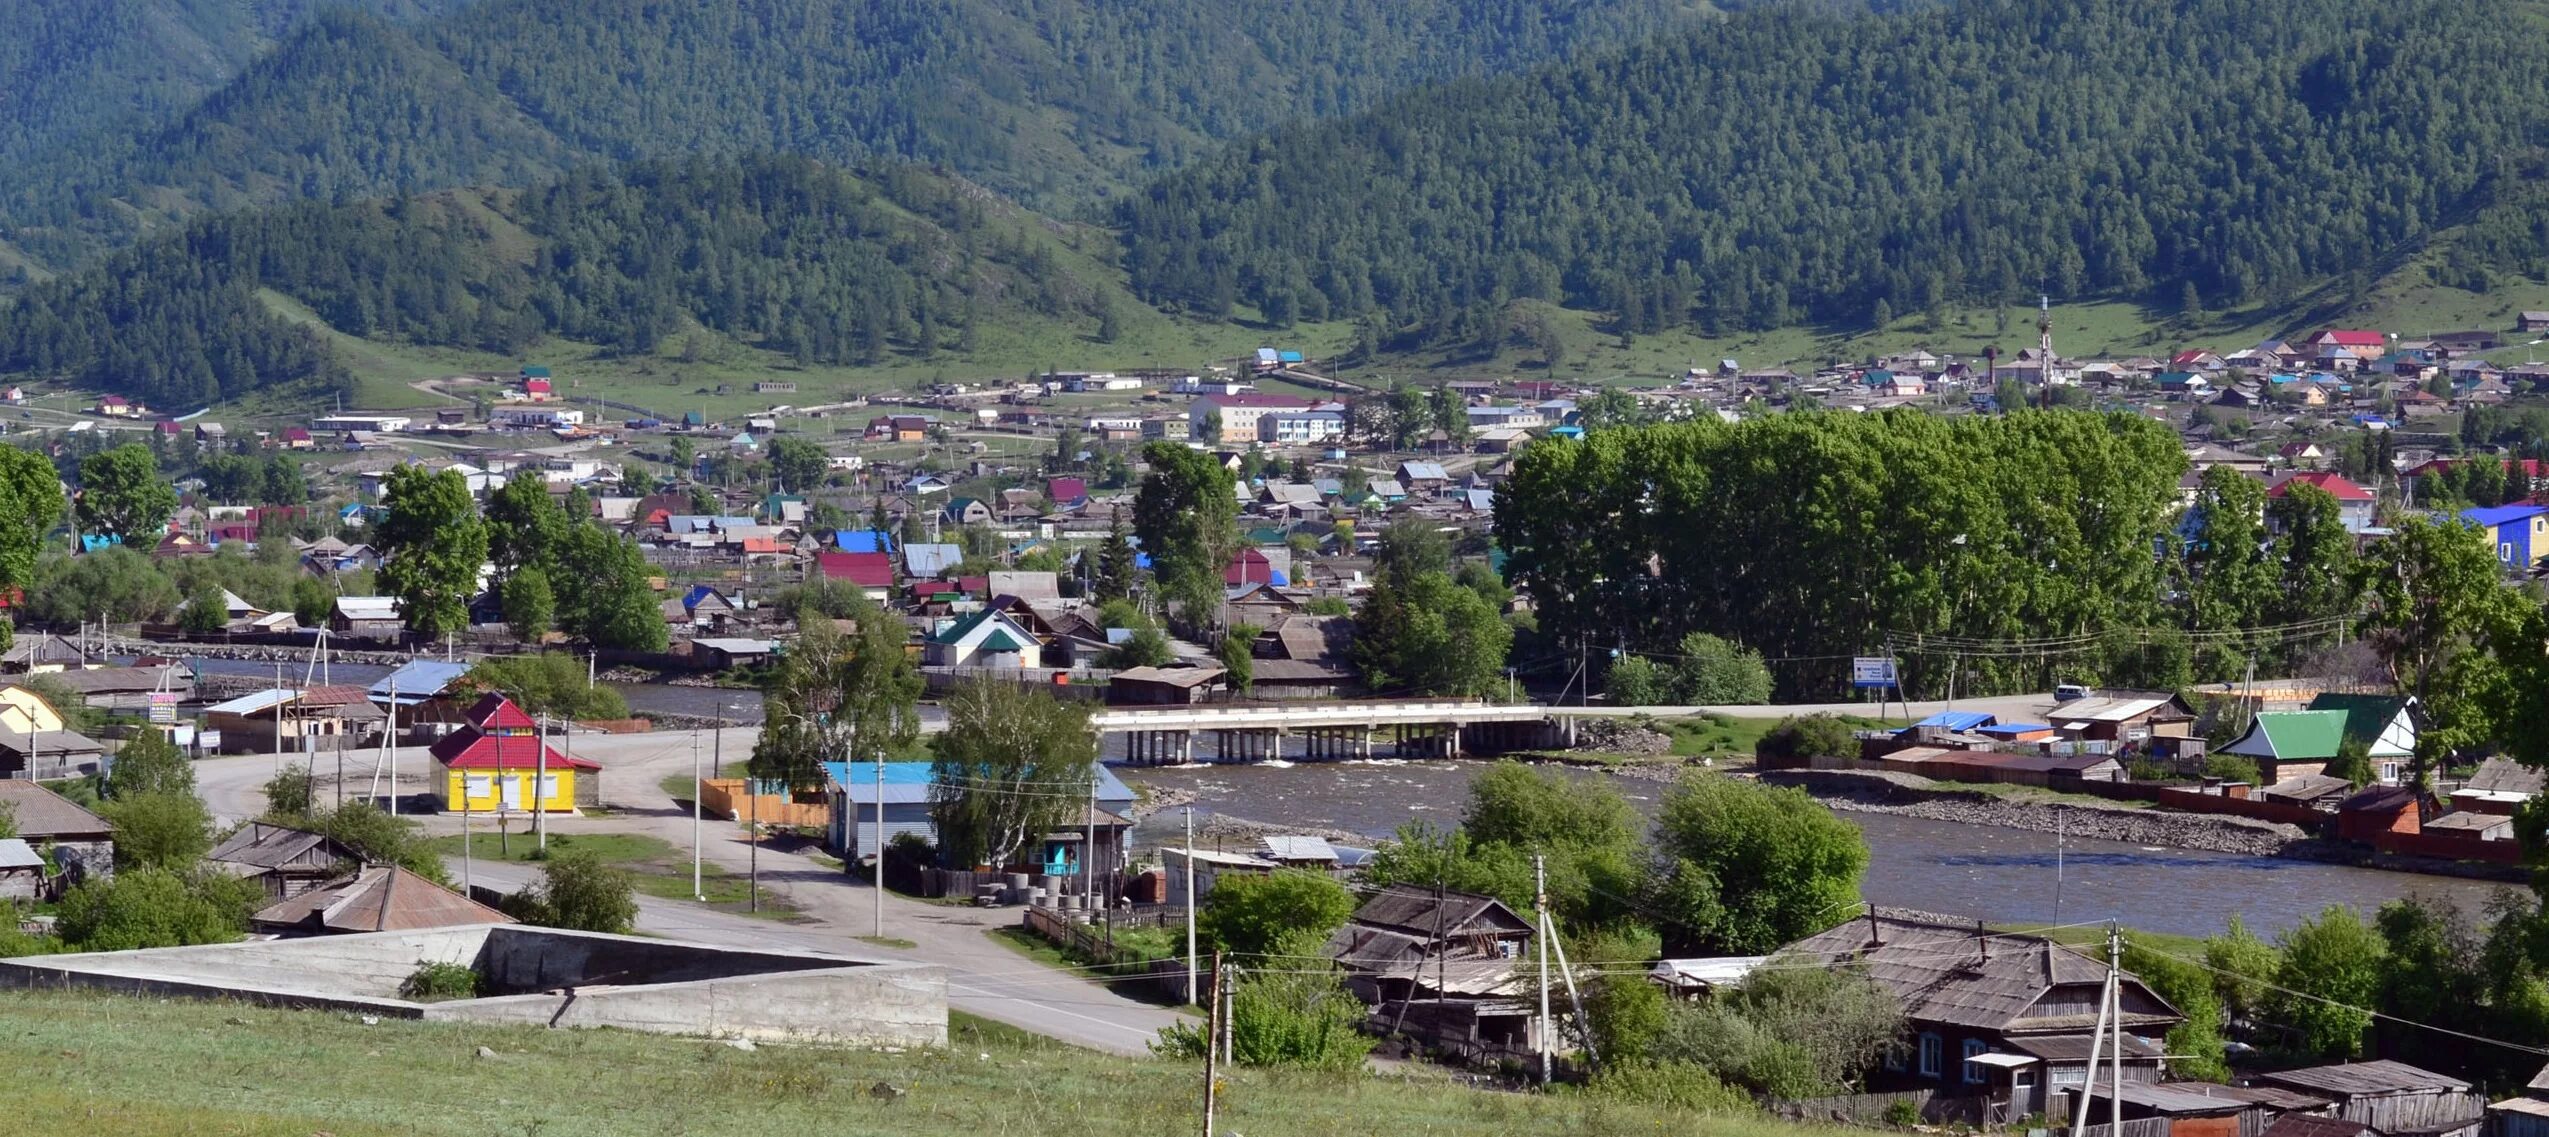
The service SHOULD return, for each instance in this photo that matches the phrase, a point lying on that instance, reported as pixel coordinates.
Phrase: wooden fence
(1128, 972)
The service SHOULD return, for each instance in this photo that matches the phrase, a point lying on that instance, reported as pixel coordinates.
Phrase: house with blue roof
(424, 691)
(863, 540)
(2520, 533)
(905, 799)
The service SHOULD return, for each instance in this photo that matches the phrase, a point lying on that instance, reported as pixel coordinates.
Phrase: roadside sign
(1872, 671)
(163, 708)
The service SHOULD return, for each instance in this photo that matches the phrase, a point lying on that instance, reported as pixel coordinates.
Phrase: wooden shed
(2390, 1097)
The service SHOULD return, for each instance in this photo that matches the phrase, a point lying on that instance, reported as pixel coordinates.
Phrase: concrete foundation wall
(886, 1005)
(574, 979)
(519, 959)
(365, 967)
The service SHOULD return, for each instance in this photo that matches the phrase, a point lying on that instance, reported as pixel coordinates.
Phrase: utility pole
(2115, 1059)
(879, 898)
(540, 788)
(1540, 901)
(1190, 904)
(2097, 1045)
(1212, 1031)
(1088, 857)
(389, 746)
(696, 892)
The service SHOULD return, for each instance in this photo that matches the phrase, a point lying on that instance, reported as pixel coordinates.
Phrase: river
(2004, 876)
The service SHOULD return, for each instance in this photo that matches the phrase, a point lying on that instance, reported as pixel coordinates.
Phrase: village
(1003, 543)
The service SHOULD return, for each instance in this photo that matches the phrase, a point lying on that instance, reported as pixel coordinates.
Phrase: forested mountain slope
(1053, 101)
(823, 264)
(1789, 165)
(74, 70)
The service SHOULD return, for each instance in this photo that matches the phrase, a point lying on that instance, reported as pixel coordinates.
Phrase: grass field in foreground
(111, 1066)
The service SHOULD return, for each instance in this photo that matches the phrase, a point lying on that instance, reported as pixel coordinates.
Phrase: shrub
(1675, 1085)
(579, 892)
(159, 830)
(289, 793)
(433, 981)
(1289, 1015)
(2231, 768)
(1809, 736)
(1255, 915)
(154, 907)
(1902, 1115)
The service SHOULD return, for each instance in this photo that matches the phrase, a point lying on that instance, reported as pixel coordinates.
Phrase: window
(2505, 552)
(2389, 773)
(1933, 1055)
(477, 786)
(1894, 1059)
(1973, 1069)
(548, 786)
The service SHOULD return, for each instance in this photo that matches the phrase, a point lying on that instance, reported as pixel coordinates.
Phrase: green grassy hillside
(105, 1066)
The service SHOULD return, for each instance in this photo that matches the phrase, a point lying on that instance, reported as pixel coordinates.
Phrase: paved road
(984, 977)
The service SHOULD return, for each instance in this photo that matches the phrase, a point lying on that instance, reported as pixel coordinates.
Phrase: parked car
(2065, 692)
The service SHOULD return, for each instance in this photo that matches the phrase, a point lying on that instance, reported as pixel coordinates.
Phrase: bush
(159, 830)
(1808, 736)
(549, 685)
(1719, 671)
(154, 907)
(1636, 682)
(1674, 1085)
(2231, 768)
(577, 891)
(1789, 1032)
(1902, 1115)
(1256, 915)
(1289, 1015)
(289, 793)
(432, 981)
(149, 763)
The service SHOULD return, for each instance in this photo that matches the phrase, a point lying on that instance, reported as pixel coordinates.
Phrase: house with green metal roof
(991, 638)
(2294, 744)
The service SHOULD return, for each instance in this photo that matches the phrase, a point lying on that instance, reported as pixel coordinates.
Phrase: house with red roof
(873, 572)
(2347, 349)
(502, 763)
(2196, 359)
(2354, 503)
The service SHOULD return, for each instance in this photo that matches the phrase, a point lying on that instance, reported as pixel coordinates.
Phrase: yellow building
(498, 762)
(26, 712)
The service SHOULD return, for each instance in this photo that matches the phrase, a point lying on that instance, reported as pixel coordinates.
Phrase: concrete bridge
(1324, 730)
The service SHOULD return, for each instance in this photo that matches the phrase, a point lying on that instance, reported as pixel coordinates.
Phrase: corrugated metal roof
(380, 899)
(418, 680)
(15, 853)
(2379, 1076)
(254, 702)
(1297, 848)
(1957, 720)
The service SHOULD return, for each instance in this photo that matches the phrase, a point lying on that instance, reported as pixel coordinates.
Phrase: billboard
(1871, 671)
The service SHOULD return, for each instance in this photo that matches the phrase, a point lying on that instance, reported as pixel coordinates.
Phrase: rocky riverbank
(1910, 795)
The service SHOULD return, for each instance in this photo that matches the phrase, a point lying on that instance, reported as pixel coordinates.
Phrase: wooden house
(1441, 967)
(287, 861)
(83, 843)
(2009, 1019)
